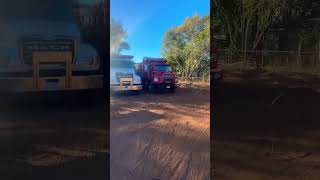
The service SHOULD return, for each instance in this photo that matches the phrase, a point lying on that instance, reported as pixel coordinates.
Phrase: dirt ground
(52, 137)
(266, 126)
(161, 136)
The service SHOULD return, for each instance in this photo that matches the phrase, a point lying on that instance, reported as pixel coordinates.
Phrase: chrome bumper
(27, 84)
(125, 88)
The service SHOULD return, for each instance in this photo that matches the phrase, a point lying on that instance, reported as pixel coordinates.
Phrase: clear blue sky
(147, 20)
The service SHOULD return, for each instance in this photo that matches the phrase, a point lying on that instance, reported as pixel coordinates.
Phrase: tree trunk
(246, 39)
(229, 31)
(318, 53)
(242, 31)
(299, 52)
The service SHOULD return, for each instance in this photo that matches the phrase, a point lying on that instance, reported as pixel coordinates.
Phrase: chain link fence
(276, 61)
(195, 79)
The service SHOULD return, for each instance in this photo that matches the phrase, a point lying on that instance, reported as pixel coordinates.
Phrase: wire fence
(203, 79)
(288, 61)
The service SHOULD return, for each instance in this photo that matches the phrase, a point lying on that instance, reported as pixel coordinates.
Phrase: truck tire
(136, 93)
(145, 86)
(96, 98)
(173, 90)
(150, 87)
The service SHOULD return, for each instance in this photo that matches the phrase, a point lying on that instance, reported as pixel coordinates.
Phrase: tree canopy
(117, 37)
(245, 22)
(187, 47)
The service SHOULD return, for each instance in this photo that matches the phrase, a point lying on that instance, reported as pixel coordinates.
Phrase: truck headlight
(113, 81)
(138, 81)
(155, 79)
(91, 61)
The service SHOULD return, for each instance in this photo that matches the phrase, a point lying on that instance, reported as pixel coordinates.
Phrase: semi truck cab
(41, 48)
(122, 74)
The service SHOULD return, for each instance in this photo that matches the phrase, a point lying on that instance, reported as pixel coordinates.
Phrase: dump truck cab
(41, 48)
(157, 74)
(122, 74)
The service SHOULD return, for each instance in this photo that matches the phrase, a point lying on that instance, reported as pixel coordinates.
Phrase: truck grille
(167, 76)
(52, 72)
(42, 45)
(123, 75)
(126, 83)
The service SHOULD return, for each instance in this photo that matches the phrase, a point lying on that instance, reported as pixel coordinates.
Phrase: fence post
(228, 55)
(317, 64)
(262, 61)
(288, 65)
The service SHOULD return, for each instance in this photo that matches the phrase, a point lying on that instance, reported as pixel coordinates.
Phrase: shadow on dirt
(191, 95)
(60, 121)
(53, 101)
(141, 116)
(256, 100)
(71, 170)
(254, 107)
(270, 117)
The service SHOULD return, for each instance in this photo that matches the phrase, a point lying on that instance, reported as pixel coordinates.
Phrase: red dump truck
(156, 75)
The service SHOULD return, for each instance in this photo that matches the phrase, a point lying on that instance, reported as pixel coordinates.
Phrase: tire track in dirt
(267, 128)
(165, 136)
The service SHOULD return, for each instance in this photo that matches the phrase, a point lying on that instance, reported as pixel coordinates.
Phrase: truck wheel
(173, 90)
(150, 88)
(95, 98)
(137, 92)
(145, 86)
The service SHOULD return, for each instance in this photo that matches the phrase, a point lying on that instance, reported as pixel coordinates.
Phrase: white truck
(41, 48)
(122, 74)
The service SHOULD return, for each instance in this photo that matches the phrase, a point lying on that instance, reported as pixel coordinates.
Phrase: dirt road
(52, 137)
(267, 127)
(161, 136)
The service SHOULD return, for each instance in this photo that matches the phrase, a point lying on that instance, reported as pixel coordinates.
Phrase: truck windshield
(162, 68)
(51, 10)
(121, 64)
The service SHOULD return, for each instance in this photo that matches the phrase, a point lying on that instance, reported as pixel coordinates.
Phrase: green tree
(245, 22)
(117, 37)
(187, 47)
(296, 15)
